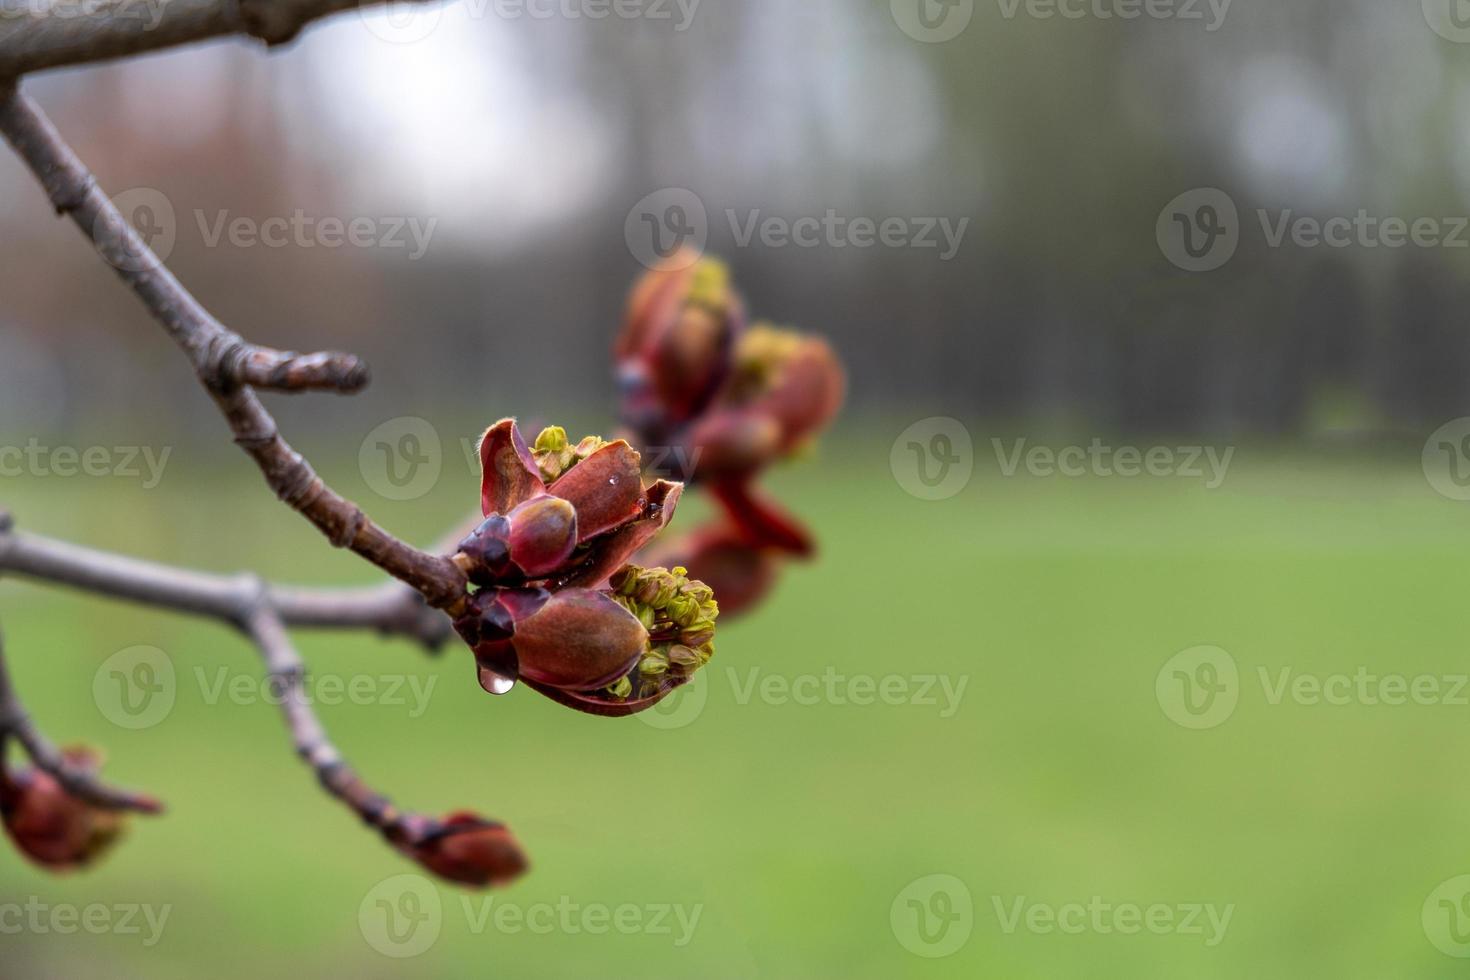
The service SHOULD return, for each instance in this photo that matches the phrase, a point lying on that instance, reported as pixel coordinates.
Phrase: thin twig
(225, 363)
(287, 673)
(392, 609)
(79, 782)
(261, 611)
(39, 34)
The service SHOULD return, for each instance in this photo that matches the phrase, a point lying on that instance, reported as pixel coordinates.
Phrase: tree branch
(286, 670)
(224, 362)
(14, 721)
(260, 611)
(391, 609)
(38, 34)
(230, 369)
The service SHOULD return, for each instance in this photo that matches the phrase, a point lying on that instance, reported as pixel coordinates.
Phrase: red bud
(51, 827)
(472, 851)
(488, 549)
(808, 392)
(574, 638)
(542, 534)
(735, 441)
(579, 640)
(675, 348)
(542, 614)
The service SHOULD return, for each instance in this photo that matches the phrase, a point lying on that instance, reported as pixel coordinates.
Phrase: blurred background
(1099, 233)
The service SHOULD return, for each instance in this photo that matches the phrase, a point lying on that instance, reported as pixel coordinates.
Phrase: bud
(52, 827)
(575, 638)
(686, 657)
(786, 388)
(732, 401)
(806, 384)
(625, 580)
(555, 608)
(486, 552)
(552, 439)
(679, 614)
(579, 640)
(543, 533)
(675, 349)
(656, 589)
(562, 514)
(471, 850)
(552, 452)
(664, 659)
(588, 446)
(734, 441)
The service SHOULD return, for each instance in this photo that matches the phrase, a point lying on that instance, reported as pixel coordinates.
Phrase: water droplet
(496, 683)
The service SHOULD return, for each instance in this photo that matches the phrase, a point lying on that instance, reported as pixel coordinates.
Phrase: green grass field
(790, 824)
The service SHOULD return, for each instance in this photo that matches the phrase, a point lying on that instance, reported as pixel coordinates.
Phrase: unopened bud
(683, 656)
(698, 634)
(653, 663)
(49, 825)
(552, 439)
(543, 534)
(472, 851)
(588, 446)
(579, 640)
(684, 610)
(624, 581)
(554, 455)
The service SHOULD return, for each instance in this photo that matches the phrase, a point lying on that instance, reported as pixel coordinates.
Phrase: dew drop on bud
(494, 683)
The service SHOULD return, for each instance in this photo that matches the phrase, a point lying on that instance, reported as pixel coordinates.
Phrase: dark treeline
(1051, 145)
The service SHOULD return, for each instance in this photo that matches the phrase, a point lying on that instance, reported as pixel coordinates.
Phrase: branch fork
(231, 369)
